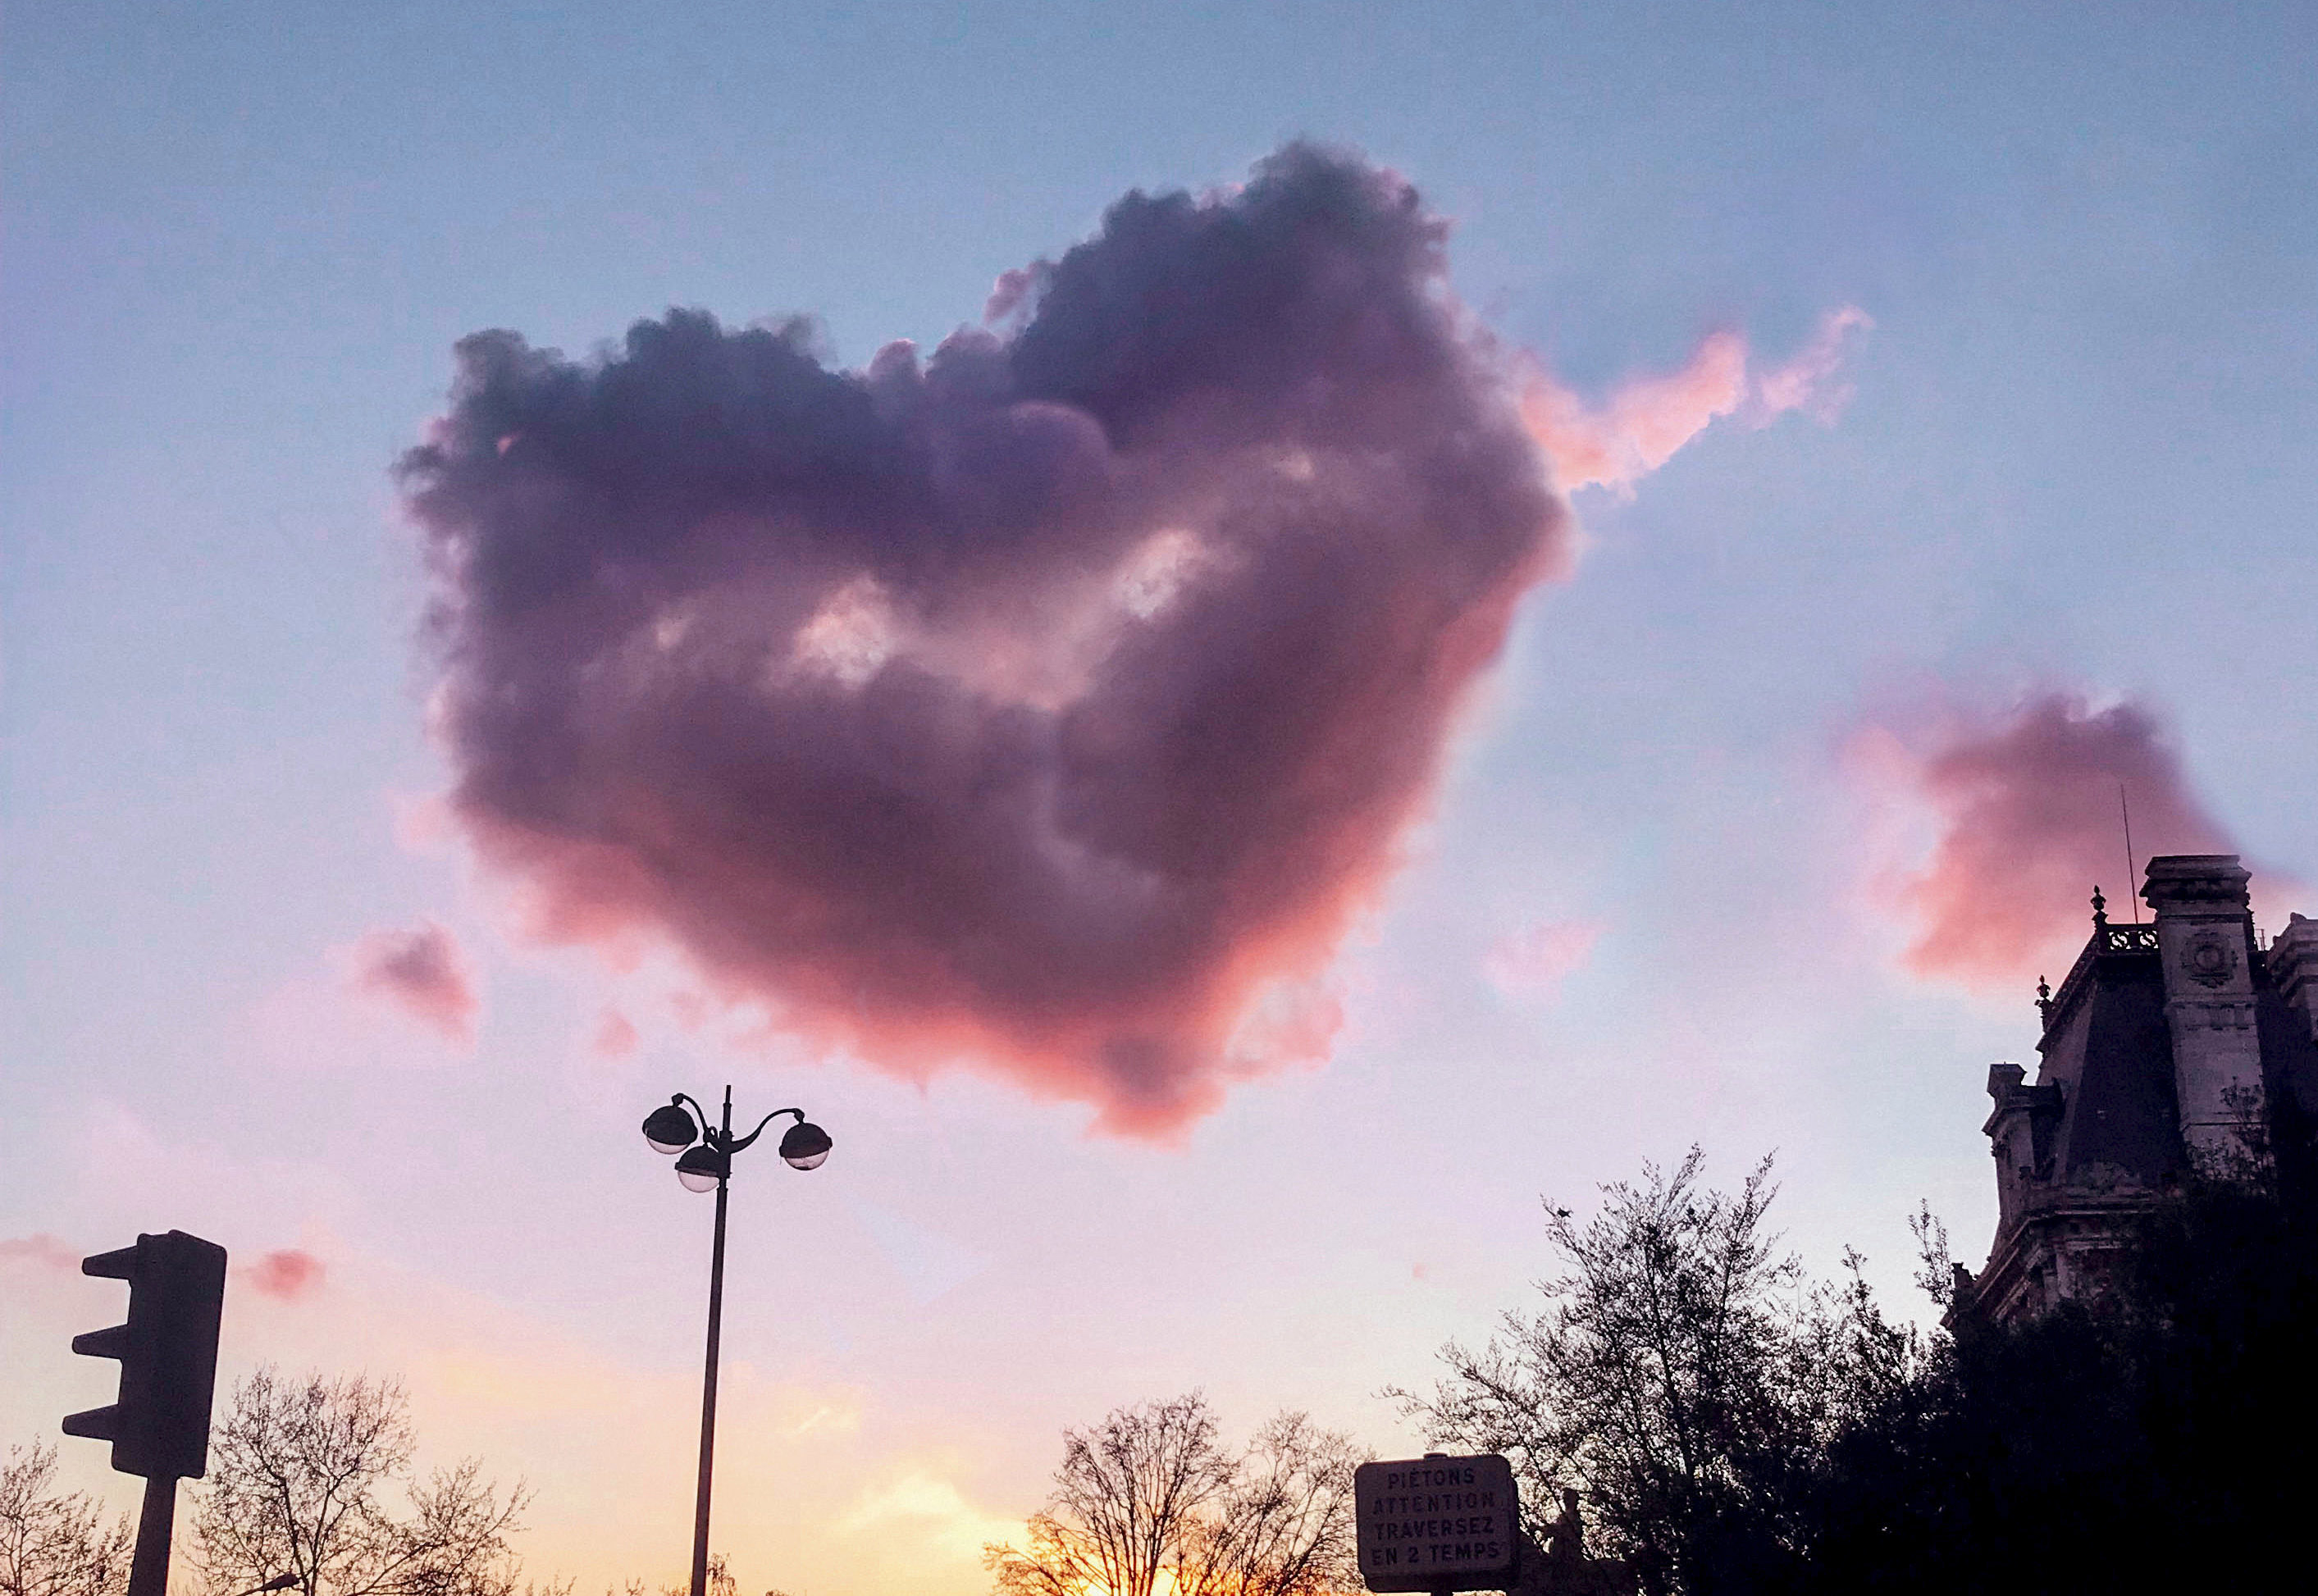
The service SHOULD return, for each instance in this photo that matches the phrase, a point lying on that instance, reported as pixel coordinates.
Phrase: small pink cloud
(44, 1251)
(1649, 418)
(424, 973)
(1643, 424)
(424, 826)
(2021, 815)
(615, 1035)
(1291, 1023)
(286, 1275)
(1014, 290)
(692, 1009)
(1534, 960)
(1811, 381)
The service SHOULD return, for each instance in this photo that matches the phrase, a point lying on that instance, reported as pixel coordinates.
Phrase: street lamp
(705, 1163)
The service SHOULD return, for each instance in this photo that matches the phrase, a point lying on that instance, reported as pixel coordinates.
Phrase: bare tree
(1152, 1489)
(1681, 1376)
(55, 1543)
(1283, 1525)
(313, 1477)
(722, 1582)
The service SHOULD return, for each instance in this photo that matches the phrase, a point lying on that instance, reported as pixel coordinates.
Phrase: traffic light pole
(708, 1382)
(159, 1424)
(149, 1574)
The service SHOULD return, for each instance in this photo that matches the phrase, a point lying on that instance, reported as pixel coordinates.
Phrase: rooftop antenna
(2126, 809)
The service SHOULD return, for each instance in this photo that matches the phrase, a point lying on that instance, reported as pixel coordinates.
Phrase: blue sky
(239, 243)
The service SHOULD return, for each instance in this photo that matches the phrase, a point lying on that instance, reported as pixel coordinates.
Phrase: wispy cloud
(930, 1263)
(41, 1252)
(1533, 961)
(1648, 419)
(615, 1035)
(927, 1509)
(1811, 381)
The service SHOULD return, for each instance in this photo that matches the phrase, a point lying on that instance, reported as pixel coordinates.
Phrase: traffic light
(160, 1426)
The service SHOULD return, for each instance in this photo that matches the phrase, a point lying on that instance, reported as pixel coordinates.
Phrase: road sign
(1438, 1524)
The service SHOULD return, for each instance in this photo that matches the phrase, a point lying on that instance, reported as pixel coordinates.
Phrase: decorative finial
(2043, 1000)
(2100, 907)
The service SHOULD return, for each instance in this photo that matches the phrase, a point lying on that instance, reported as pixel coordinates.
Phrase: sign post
(1438, 1523)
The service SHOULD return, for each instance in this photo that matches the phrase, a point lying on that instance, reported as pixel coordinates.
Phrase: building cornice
(2077, 1220)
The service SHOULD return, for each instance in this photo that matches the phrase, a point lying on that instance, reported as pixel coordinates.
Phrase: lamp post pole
(673, 1130)
(708, 1380)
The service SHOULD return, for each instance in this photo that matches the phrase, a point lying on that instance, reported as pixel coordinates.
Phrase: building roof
(2151, 1017)
(2108, 1048)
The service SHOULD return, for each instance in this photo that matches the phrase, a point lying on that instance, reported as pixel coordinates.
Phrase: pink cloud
(1649, 418)
(615, 1035)
(423, 972)
(1810, 381)
(1037, 704)
(2025, 821)
(43, 1250)
(287, 1274)
(1296, 1023)
(1534, 960)
(424, 826)
(1012, 292)
(1643, 424)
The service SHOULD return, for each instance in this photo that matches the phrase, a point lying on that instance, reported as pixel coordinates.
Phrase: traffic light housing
(160, 1426)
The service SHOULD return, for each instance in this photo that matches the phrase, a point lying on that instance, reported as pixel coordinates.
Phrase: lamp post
(674, 1128)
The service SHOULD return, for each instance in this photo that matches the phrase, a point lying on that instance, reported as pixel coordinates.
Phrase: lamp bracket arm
(761, 1123)
(707, 1123)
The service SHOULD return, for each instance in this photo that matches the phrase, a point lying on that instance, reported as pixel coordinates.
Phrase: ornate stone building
(2183, 1044)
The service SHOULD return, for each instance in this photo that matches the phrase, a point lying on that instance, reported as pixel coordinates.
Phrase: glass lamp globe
(669, 1129)
(701, 1167)
(806, 1146)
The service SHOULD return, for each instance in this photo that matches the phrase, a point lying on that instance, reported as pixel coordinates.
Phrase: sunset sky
(1284, 742)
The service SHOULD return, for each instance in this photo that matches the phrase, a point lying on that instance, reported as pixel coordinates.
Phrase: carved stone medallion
(2209, 960)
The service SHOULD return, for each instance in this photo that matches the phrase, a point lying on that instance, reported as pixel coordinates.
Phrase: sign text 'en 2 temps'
(1438, 1524)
